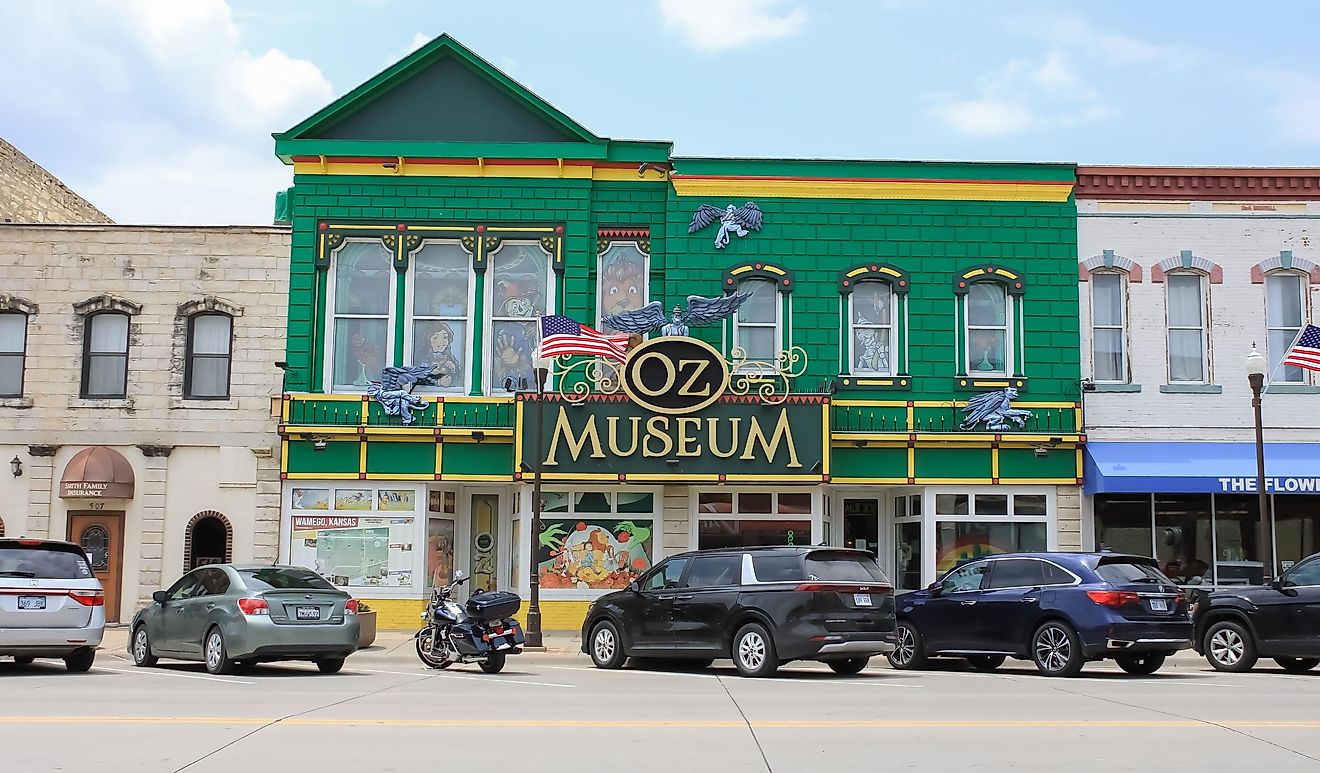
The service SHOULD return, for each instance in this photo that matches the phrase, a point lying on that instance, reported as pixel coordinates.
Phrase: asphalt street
(554, 712)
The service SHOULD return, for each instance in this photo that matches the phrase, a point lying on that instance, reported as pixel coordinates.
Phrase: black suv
(1237, 627)
(761, 606)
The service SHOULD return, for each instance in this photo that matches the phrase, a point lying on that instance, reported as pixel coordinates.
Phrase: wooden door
(101, 535)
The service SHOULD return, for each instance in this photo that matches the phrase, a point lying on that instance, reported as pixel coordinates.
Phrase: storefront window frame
(817, 515)
(332, 316)
(411, 317)
(931, 519)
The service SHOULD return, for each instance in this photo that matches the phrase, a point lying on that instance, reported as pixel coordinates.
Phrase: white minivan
(51, 605)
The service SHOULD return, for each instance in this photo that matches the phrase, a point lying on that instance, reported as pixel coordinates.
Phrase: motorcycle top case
(493, 605)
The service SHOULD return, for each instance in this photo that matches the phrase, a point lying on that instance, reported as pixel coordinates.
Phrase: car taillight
(1113, 598)
(29, 542)
(351, 607)
(88, 598)
(254, 606)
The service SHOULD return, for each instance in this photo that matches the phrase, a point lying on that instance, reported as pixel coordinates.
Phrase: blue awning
(1200, 468)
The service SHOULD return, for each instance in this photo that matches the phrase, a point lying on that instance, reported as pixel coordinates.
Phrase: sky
(161, 111)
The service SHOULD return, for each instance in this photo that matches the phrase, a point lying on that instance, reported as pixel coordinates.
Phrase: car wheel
(1297, 665)
(23, 660)
(330, 665)
(80, 660)
(986, 662)
(494, 663)
(142, 656)
(1141, 665)
(848, 667)
(1056, 649)
(217, 657)
(1228, 647)
(754, 651)
(606, 647)
(909, 652)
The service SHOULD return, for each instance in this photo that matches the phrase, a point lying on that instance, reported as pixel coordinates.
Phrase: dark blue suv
(1058, 610)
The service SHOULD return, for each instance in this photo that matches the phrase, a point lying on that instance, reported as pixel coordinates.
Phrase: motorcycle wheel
(494, 663)
(432, 659)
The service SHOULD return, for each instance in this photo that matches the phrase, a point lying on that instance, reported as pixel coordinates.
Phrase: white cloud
(718, 25)
(155, 110)
(1019, 96)
(1077, 32)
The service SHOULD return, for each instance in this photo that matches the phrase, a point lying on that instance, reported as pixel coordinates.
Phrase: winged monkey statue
(996, 410)
(738, 220)
(700, 311)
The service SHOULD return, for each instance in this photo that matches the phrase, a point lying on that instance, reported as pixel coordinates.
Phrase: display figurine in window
(622, 282)
(874, 354)
(447, 367)
(513, 356)
(366, 355)
(987, 346)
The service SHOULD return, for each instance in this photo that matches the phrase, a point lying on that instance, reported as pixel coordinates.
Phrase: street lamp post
(1256, 367)
(533, 575)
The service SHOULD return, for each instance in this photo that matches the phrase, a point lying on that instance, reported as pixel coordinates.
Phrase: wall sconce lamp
(16, 466)
(319, 443)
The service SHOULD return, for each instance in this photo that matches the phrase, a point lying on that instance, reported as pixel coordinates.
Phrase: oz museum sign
(671, 412)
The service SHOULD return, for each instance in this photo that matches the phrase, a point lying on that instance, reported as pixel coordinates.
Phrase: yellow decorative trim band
(478, 168)
(871, 189)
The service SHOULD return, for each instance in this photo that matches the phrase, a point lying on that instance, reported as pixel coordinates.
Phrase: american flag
(561, 335)
(1305, 351)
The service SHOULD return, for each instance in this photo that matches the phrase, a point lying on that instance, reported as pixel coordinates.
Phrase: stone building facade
(1182, 272)
(30, 194)
(138, 366)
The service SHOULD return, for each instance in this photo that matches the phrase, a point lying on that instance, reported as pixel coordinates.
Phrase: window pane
(1296, 526)
(987, 304)
(1237, 557)
(956, 543)
(761, 306)
(1306, 576)
(1279, 342)
(109, 333)
(210, 377)
(105, 375)
(443, 344)
(13, 333)
(591, 502)
(11, 374)
(794, 504)
(636, 502)
(907, 559)
(966, 579)
(210, 334)
(915, 499)
(362, 278)
(758, 343)
(715, 571)
(709, 502)
(1185, 306)
(440, 271)
(1107, 349)
(622, 279)
(1182, 537)
(1017, 574)
(1186, 360)
(992, 504)
(732, 534)
(951, 504)
(871, 304)
(754, 503)
(871, 350)
(777, 568)
(360, 351)
(1107, 299)
(986, 351)
(1028, 504)
(1283, 293)
(1123, 524)
(513, 344)
(519, 282)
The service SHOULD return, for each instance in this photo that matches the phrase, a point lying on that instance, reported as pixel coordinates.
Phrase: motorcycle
(483, 631)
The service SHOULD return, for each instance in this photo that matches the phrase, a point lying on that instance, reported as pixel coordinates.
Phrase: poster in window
(439, 551)
(311, 499)
(592, 554)
(354, 552)
(396, 500)
(355, 499)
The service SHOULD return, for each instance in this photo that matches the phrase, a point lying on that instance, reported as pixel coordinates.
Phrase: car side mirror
(1278, 585)
(935, 588)
(635, 587)
(160, 597)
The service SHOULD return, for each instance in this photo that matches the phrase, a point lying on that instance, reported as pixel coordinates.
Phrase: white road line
(785, 679)
(148, 672)
(447, 675)
(634, 671)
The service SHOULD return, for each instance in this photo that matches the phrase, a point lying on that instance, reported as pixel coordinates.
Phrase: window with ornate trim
(1187, 320)
(439, 331)
(873, 319)
(520, 287)
(360, 303)
(208, 356)
(1109, 339)
(623, 266)
(761, 327)
(105, 355)
(1285, 316)
(13, 352)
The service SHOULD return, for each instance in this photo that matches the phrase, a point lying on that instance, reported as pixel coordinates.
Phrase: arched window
(1285, 316)
(1187, 318)
(209, 352)
(758, 326)
(105, 355)
(209, 539)
(874, 339)
(13, 352)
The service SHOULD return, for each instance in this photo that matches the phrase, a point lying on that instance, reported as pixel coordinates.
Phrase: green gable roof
(440, 94)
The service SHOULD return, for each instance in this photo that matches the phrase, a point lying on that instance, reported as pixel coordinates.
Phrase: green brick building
(440, 208)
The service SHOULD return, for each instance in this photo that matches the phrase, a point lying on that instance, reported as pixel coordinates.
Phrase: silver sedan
(228, 615)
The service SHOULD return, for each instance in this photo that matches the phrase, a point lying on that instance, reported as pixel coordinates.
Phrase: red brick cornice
(1184, 183)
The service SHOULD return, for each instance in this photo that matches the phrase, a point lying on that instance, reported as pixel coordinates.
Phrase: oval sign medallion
(675, 374)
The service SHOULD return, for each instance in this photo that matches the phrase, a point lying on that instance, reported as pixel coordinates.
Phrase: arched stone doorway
(209, 540)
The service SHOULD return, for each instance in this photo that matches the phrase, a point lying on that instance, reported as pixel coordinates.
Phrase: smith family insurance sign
(676, 415)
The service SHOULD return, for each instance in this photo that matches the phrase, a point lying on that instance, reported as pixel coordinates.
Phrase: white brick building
(137, 367)
(1182, 271)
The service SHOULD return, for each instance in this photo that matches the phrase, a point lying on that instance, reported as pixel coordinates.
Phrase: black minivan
(760, 606)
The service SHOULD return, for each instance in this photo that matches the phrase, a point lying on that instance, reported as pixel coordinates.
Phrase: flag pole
(1278, 367)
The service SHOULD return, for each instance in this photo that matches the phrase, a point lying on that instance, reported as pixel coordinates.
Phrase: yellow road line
(660, 724)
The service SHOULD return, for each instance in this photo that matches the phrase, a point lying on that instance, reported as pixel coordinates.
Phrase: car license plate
(862, 599)
(307, 613)
(1159, 605)
(31, 602)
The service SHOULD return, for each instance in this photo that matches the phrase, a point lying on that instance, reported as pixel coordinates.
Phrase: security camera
(1042, 452)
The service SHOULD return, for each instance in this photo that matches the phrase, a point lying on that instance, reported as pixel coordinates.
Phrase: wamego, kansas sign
(676, 419)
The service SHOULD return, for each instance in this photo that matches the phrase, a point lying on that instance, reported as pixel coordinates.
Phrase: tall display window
(729, 519)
